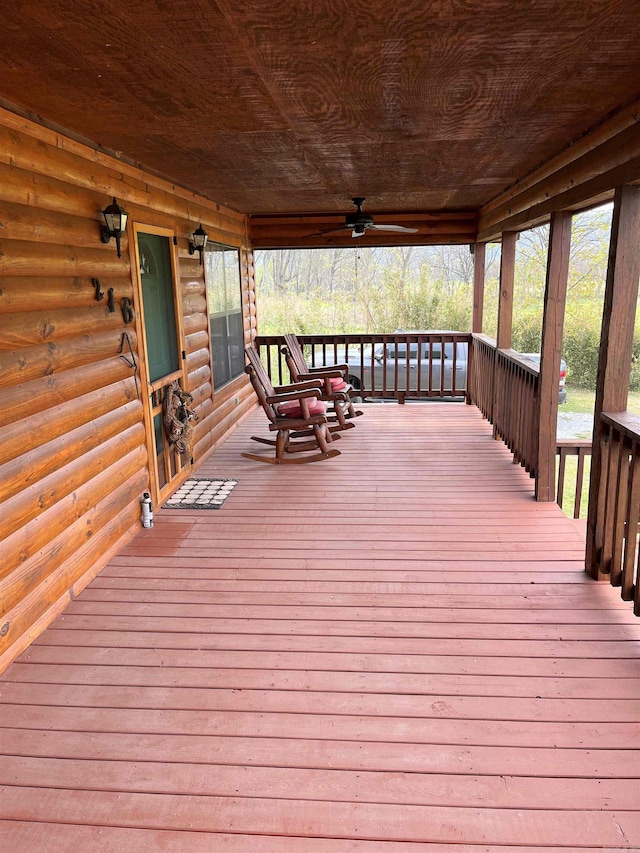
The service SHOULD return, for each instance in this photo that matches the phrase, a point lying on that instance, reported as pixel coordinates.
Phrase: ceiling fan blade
(393, 228)
(328, 231)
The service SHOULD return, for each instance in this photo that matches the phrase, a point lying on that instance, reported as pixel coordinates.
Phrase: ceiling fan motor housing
(360, 219)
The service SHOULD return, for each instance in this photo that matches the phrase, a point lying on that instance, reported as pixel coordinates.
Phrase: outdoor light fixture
(200, 238)
(115, 218)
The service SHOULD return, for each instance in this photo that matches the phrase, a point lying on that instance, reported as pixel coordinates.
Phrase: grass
(581, 401)
(570, 476)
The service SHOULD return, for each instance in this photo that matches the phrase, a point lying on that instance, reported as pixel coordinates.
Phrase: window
(224, 297)
(399, 351)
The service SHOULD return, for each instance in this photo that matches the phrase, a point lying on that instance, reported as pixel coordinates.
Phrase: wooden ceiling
(283, 108)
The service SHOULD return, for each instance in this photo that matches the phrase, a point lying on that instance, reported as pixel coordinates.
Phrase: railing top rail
(626, 422)
(368, 337)
(573, 446)
(485, 339)
(522, 362)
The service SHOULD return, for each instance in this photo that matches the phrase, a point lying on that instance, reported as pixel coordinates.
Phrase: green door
(162, 351)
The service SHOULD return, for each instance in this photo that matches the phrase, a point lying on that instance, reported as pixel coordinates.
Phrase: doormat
(201, 493)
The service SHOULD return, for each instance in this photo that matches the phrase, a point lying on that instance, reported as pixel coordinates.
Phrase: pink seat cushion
(337, 383)
(293, 409)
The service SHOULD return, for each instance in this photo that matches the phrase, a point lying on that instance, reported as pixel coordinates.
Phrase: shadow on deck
(394, 650)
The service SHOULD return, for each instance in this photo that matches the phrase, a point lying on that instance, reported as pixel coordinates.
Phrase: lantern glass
(200, 238)
(115, 218)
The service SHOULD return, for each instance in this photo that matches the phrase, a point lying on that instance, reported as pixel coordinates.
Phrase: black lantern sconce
(200, 238)
(115, 218)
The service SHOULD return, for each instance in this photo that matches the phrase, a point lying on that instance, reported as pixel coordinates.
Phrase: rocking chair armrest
(322, 373)
(314, 384)
(294, 395)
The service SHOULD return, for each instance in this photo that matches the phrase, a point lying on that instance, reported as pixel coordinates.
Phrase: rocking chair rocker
(294, 412)
(333, 378)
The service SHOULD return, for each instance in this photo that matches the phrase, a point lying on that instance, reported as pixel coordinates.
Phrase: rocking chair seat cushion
(337, 383)
(293, 409)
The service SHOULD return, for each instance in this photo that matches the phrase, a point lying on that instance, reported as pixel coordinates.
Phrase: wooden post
(505, 301)
(479, 254)
(552, 328)
(616, 344)
(505, 312)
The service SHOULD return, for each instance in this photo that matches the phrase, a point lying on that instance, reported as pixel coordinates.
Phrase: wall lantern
(200, 238)
(115, 218)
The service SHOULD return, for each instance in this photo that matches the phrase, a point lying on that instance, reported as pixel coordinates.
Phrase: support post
(552, 328)
(505, 313)
(479, 254)
(505, 302)
(616, 344)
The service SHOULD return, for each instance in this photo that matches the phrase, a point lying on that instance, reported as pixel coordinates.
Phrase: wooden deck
(395, 650)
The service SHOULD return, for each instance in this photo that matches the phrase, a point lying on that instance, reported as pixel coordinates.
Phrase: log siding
(73, 454)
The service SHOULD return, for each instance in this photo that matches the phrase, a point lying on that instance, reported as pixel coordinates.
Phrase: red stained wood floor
(394, 650)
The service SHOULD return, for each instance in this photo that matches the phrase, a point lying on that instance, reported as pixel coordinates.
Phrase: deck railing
(516, 404)
(379, 364)
(483, 366)
(618, 504)
(506, 390)
(566, 449)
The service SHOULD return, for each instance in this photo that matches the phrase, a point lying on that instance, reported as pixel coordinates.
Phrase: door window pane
(224, 296)
(159, 310)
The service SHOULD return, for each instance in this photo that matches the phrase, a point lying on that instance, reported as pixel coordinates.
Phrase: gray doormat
(201, 493)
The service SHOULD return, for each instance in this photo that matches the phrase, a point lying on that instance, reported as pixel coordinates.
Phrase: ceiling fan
(359, 222)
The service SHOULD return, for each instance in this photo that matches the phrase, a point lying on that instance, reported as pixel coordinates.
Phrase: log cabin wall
(73, 452)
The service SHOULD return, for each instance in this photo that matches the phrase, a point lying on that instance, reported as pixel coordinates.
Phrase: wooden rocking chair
(333, 377)
(294, 412)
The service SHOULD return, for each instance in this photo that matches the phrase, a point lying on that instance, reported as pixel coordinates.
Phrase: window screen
(224, 296)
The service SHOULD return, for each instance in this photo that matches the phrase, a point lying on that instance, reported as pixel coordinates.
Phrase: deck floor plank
(395, 651)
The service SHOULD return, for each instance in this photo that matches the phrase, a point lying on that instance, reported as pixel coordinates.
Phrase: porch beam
(312, 230)
(616, 345)
(586, 172)
(552, 330)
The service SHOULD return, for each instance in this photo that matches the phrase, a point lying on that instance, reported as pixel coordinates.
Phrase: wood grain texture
(73, 457)
(422, 108)
(431, 682)
(551, 351)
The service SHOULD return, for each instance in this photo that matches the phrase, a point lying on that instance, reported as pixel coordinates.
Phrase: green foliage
(353, 290)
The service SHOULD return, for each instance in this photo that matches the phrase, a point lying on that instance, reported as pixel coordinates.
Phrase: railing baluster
(562, 461)
(611, 496)
(269, 371)
(577, 503)
(631, 527)
(602, 493)
(622, 495)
